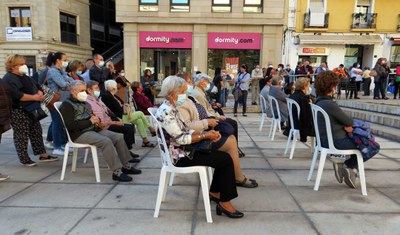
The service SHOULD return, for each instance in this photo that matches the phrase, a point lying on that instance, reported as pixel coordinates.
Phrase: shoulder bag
(50, 96)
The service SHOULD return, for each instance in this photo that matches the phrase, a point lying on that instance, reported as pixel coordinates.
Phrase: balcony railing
(316, 20)
(70, 38)
(364, 21)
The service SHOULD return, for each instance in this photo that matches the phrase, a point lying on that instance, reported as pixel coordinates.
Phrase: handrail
(114, 50)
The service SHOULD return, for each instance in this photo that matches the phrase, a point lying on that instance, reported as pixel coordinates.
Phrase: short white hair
(171, 84)
(110, 84)
(200, 77)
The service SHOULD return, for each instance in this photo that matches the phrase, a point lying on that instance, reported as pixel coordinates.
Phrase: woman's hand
(94, 120)
(212, 135)
(348, 128)
(212, 123)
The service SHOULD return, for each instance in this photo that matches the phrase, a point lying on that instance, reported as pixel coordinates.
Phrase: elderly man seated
(202, 83)
(86, 128)
(276, 91)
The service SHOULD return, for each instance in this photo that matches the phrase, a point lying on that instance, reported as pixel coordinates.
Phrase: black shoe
(244, 115)
(134, 155)
(254, 103)
(285, 133)
(241, 153)
(134, 160)
(235, 115)
(48, 159)
(235, 215)
(29, 163)
(121, 176)
(131, 171)
(214, 199)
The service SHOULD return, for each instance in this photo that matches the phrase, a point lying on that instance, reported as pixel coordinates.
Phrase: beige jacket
(189, 115)
(200, 96)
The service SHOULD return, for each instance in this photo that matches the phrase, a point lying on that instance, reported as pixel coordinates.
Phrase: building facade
(35, 27)
(177, 36)
(343, 32)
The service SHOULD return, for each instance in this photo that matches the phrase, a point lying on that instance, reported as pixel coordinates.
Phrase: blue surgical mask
(96, 94)
(181, 99)
(309, 91)
(207, 87)
(79, 73)
(189, 90)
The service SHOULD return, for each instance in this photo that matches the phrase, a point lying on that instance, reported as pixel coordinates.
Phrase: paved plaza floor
(35, 201)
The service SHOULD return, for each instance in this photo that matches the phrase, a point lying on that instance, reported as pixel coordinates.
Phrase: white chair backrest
(162, 143)
(134, 104)
(57, 107)
(276, 114)
(263, 103)
(315, 110)
(290, 103)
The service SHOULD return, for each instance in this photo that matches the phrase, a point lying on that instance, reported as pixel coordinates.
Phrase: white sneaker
(70, 149)
(58, 152)
(3, 177)
(48, 144)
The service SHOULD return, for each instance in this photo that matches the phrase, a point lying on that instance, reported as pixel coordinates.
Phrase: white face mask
(23, 69)
(122, 74)
(82, 96)
(207, 87)
(64, 64)
(96, 94)
(101, 64)
(309, 91)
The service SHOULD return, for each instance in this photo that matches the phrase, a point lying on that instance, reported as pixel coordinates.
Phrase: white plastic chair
(168, 168)
(293, 133)
(331, 149)
(264, 108)
(76, 146)
(276, 117)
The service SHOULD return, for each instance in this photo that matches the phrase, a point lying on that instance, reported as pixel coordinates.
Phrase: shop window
(68, 29)
(230, 60)
(395, 56)
(221, 5)
(315, 60)
(148, 5)
(20, 17)
(180, 5)
(253, 6)
(354, 54)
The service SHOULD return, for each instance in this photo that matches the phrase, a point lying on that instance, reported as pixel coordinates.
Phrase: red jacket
(142, 102)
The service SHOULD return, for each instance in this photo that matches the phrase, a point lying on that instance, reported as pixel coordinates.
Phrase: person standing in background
(148, 82)
(98, 73)
(355, 77)
(256, 75)
(397, 82)
(89, 63)
(367, 80)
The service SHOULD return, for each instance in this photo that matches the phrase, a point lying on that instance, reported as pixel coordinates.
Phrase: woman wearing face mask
(122, 85)
(355, 77)
(302, 96)
(142, 103)
(58, 80)
(223, 188)
(76, 67)
(148, 82)
(115, 104)
(24, 91)
(380, 79)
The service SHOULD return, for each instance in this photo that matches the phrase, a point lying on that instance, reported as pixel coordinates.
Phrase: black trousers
(244, 100)
(224, 175)
(235, 127)
(396, 89)
(127, 130)
(366, 85)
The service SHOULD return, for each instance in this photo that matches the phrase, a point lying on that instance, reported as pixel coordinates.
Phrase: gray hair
(91, 83)
(275, 80)
(74, 84)
(171, 84)
(200, 77)
(301, 83)
(110, 84)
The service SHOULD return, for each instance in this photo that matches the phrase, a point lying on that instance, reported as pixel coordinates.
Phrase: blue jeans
(50, 133)
(58, 132)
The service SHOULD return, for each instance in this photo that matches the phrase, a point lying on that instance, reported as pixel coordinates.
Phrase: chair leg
(270, 128)
(315, 156)
(288, 141)
(74, 159)
(361, 173)
(312, 144)
(65, 162)
(167, 179)
(210, 174)
(171, 179)
(274, 129)
(293, 144)
(321, 165)
(262, 122)
(86, 155)
(206, 197)
(96, 164)
(161, 188)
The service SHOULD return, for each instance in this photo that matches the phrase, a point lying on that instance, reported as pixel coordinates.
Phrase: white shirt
(243, 79)
(354, 74)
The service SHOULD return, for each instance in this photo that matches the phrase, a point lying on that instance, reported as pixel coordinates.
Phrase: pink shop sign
(250, 41)
(151, 39)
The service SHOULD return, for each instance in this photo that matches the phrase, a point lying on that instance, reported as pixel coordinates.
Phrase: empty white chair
(276, 117)
(331, 149)
(168, 168)
(293, 133)
(76, 146)
(264, 108)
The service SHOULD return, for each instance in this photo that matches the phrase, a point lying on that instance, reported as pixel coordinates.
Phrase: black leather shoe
(121, 177)
(131, 171)
(214, 199)
(134, 160)
(235, 215)
(134, 155)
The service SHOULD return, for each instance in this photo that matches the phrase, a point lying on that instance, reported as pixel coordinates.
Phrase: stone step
(386, 132)
(374, 117)
(372, 106)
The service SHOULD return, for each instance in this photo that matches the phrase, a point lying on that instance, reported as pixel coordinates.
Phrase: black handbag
(34, 111)
(203, 146)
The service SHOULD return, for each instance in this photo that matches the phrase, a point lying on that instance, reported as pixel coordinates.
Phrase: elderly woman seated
(276, 91)
(116, 105)
(325, 84)
(140, 99)
(223, 188)
(194, 116)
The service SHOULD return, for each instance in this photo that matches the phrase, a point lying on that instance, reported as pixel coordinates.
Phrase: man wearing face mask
(306, 69)
(99, 72)
(256, 75)
(86, 128)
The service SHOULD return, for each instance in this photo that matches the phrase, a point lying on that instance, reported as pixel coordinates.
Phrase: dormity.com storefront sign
(151, 39)
(250, 41)
(18, 33)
